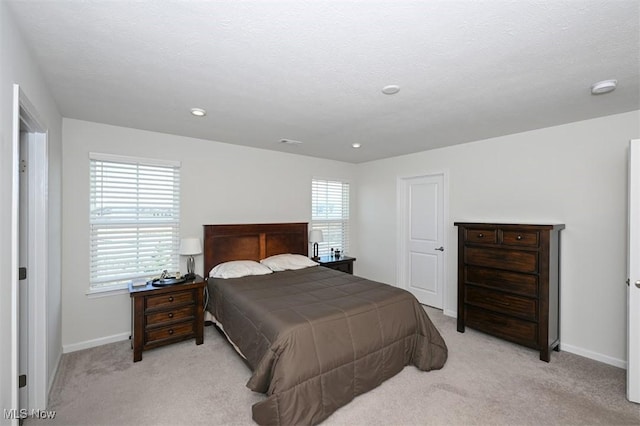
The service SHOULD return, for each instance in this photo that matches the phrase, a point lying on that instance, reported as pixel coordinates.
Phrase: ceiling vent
(290, 142)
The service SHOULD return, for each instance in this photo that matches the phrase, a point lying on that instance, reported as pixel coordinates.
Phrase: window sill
(115, 291)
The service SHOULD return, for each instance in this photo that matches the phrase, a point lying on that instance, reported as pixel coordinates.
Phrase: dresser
(509, 282)
(165, 315)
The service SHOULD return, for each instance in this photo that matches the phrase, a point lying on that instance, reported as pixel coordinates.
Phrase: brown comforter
(316, 338)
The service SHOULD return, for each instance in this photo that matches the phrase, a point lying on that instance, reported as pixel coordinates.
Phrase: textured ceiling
(313, 71)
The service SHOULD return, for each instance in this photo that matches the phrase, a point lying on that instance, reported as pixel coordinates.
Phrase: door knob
(638, 284)
(442, 249)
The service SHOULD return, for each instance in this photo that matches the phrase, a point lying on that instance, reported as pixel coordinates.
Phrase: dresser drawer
(520, 238)
(487, 236)
(497, 301)
(171, 315)
(509, 328)
(174, 331)
(167, 300)
(513, 260)
(515, 282)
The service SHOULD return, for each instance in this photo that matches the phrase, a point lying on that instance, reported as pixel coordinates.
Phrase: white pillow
(283, 262)
(238, 268)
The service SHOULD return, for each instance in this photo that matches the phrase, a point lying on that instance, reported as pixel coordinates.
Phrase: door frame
(633, 251)
(26, 116)
(402, 227)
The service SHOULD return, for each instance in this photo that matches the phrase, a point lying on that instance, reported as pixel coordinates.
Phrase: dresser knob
(170, 331)
(519, 237)
(480, 235)
(170, 298)
(170, 314)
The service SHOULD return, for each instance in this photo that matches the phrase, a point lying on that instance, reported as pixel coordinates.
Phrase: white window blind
(330, 214)
(134, 219)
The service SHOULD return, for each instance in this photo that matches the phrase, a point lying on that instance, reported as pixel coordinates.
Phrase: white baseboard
(52, 375)
(450, 313)
(620, 363)
(95, 342)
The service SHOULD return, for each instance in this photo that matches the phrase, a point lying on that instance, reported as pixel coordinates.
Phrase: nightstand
(342, 263)
(165, 315)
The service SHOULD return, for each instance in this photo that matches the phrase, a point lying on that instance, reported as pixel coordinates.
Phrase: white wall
(18, 66)
(220, 183)
(574, 174)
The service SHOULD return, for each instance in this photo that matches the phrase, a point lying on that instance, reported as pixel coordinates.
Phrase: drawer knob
(519, 237)
(480, 235)
(170, 331)
(170, 298)
(170, 314)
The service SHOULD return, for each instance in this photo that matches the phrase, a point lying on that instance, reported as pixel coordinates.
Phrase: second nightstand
(342, 263)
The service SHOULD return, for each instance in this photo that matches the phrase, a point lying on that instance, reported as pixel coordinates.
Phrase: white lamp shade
(315, 236)
(190, 246)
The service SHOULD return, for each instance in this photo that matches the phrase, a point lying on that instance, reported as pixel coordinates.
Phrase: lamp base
(191, 265)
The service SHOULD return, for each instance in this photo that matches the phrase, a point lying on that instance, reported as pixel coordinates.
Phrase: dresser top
(554, 226)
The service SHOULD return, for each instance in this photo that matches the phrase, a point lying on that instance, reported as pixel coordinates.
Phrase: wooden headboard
(223, 243)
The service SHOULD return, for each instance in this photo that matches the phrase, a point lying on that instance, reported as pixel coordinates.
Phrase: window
(134, 219)
(330, 214)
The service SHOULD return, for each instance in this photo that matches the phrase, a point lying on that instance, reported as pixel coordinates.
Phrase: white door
(29, 240)
(422, 237)
(633, 291)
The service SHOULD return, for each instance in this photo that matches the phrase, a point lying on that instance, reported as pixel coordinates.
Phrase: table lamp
(315, 237)
(190, 247)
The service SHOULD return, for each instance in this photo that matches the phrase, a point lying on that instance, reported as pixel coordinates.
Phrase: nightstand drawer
(169, 332)
(172, 299)
(342, 264)
(497, 301)
(344, 267)
(172, 315)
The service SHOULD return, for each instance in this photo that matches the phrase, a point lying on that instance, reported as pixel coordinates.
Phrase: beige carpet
(486, 381)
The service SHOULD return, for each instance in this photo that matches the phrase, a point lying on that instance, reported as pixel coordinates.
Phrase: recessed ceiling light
(392, 89)
(604, 86)
(356, 145)
(198, 112)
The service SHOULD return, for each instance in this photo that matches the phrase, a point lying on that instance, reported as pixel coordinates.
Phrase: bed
(315, 338)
